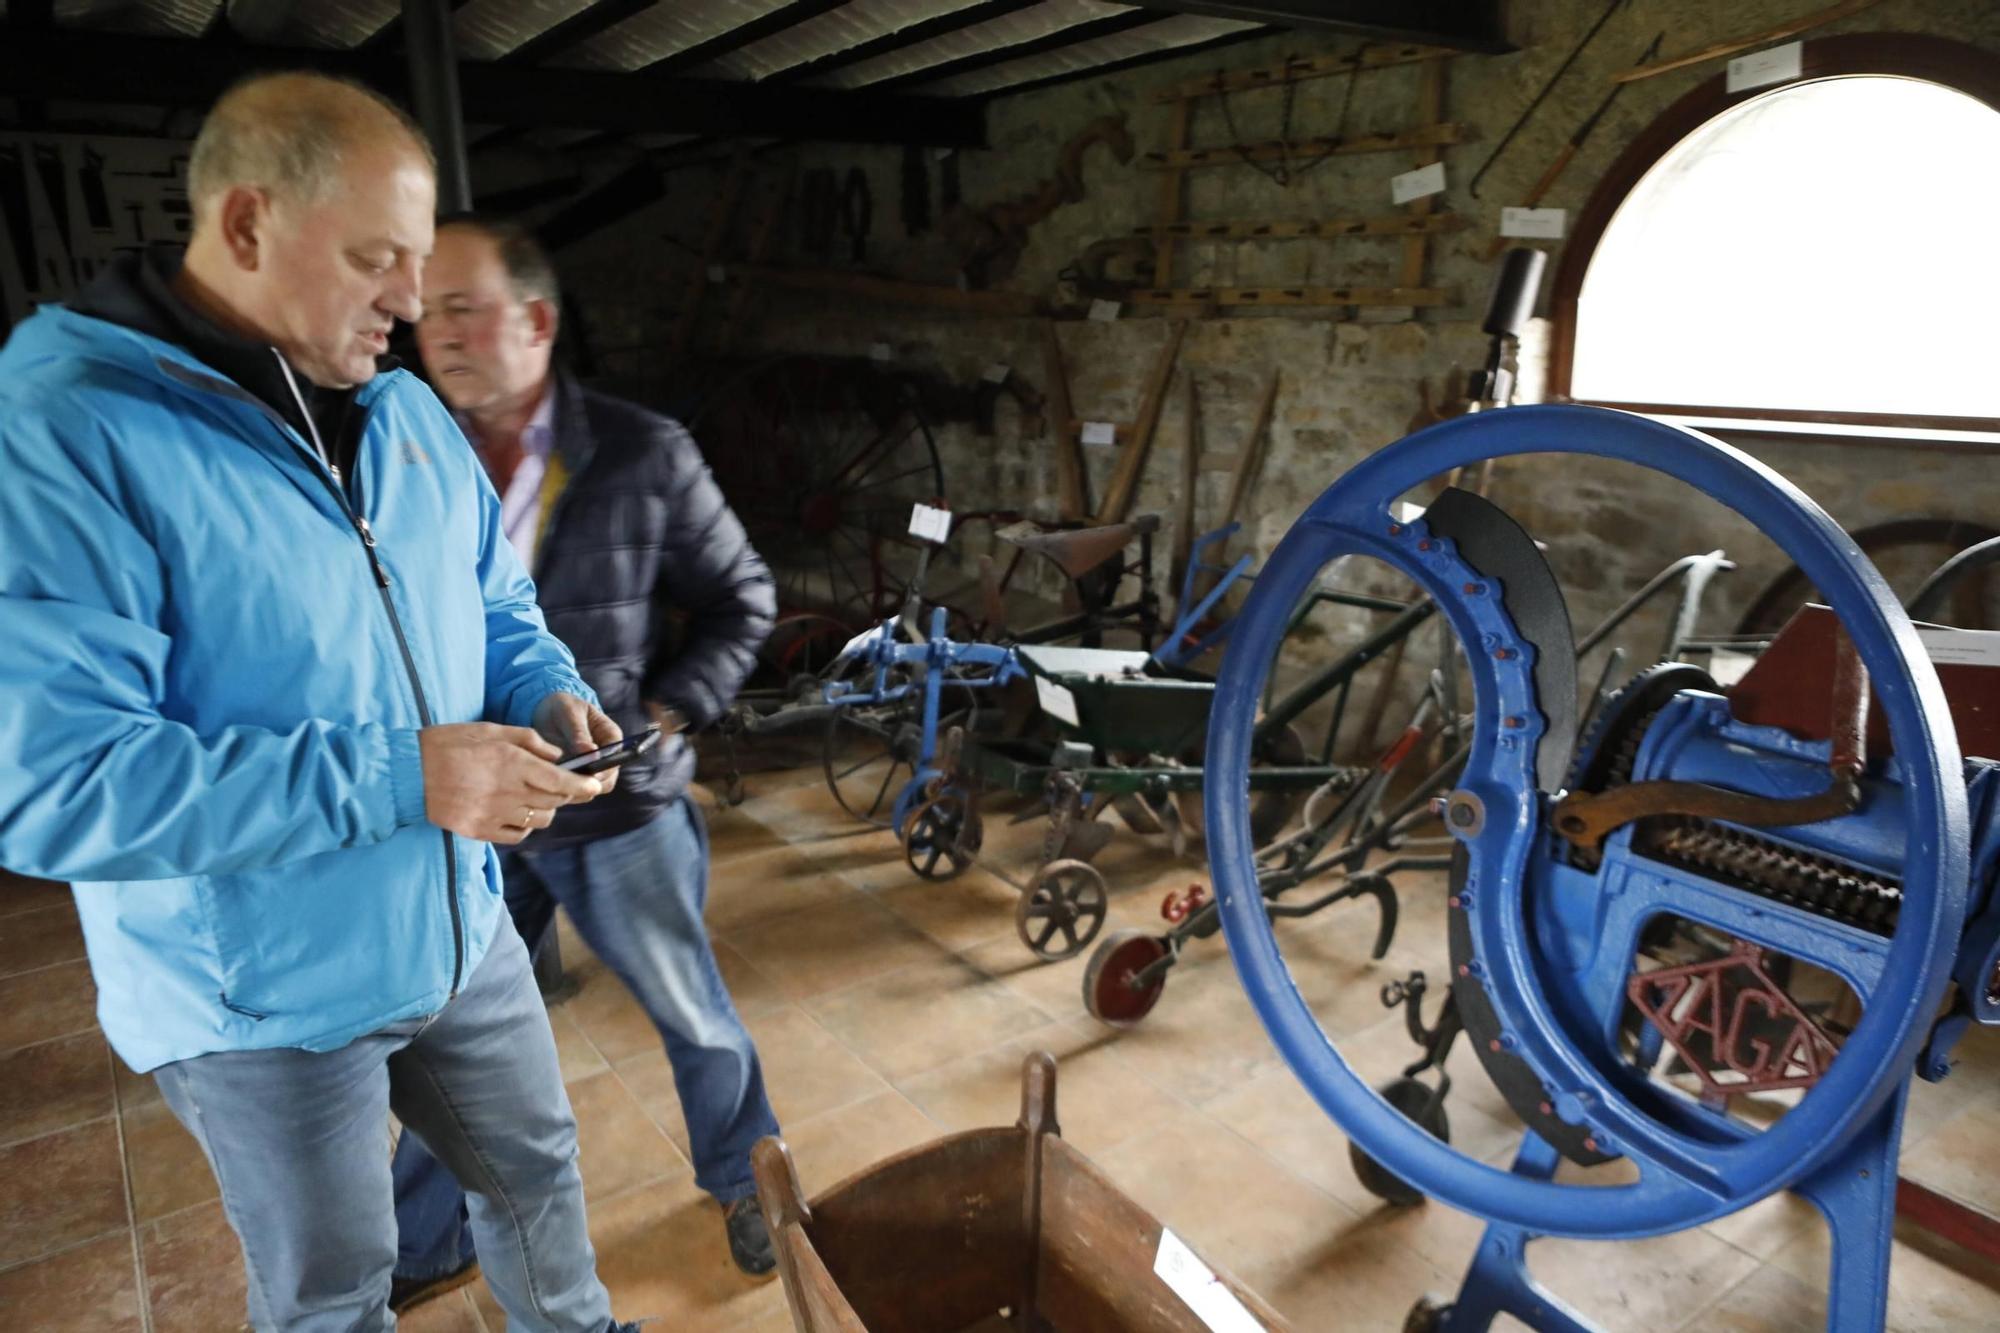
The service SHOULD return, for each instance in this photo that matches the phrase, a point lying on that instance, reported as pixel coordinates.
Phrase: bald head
(290, 134)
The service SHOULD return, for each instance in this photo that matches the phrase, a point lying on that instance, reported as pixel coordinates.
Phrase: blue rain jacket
(211, 686)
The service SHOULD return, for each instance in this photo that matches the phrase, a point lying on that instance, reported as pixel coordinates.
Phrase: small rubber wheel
(942, 836)
(1061, 910)
(1427, 1315)
(1108, 992)
(1414, 1101)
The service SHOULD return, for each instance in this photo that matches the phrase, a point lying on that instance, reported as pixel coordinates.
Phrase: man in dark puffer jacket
(615, 514)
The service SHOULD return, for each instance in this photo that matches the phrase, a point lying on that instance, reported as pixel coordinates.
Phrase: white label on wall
(881, 352)
(1535, 223)
(1100, 432)
(1407, 512)
(1726, 667)
(1056, 701)
(716, 273)
(1417, 184)
(1196, 1284)
(1961, 647)
(996, 374)
(1779, 64)
(940, 154)
(1104, 311)
(933, 525)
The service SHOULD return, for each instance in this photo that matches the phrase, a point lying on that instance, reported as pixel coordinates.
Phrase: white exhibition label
(861, 644)
(881, 352)
(940, 154)
(1725, 667)
(1056, 701)
(1104, 311)
(933, 525)
(996, 374)
(716, 273)
(1961, 647)
(1407, 512)
(1196, 1284)
(1533, 223)
(1779, 64)
(1100, 432)
(1416, 184)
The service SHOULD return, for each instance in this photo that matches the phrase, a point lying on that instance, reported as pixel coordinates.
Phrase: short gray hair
(286, 133)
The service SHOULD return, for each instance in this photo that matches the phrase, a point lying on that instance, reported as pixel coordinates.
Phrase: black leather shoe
(749, 1239)
(406, 1293)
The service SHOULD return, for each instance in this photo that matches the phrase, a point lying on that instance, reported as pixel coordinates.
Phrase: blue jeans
(297, 1141)
(637, 900)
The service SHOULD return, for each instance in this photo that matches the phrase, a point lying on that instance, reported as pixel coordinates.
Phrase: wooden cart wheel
(943, 836)
(1061, 910)
(1108, 992)
(1413, 1099)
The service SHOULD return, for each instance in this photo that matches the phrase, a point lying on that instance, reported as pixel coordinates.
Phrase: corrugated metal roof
(1025, 26)
(489, 29)
(151, 18)
(846, 27)
(1171, 31)
(658, 32)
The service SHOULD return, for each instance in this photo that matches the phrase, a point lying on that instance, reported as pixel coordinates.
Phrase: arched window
(1821, 252)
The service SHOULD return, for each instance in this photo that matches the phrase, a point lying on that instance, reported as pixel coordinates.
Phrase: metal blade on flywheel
(1501, 550)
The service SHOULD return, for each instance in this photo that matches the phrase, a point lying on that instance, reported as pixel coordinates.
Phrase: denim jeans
(637, 900)
(298, 1143)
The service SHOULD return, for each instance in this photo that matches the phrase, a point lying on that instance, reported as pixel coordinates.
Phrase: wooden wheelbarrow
(990, 1231)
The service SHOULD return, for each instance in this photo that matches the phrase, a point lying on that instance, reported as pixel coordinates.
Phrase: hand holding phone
(614, 754)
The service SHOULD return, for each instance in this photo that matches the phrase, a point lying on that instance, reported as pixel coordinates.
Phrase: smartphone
(614, 754)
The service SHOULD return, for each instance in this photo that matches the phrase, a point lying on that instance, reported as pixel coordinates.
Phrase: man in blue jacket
(272, 683)
(614, 509)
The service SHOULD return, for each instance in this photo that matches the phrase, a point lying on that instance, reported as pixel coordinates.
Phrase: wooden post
(1171, 190)
(1072, 480)
(759, 251)
(718, 230)
(1190, 476)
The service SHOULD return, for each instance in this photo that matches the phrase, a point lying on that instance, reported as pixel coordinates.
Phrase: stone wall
(1348, 386)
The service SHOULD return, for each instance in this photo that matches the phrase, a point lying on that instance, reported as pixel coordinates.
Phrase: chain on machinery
(1773, 870)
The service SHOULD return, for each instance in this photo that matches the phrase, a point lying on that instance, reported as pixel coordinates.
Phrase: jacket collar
(574, 439)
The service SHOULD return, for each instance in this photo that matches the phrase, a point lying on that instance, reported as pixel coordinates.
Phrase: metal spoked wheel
(1061, 911)
(943, 836)
(867, 754)
(822, 458)
(1110, 990)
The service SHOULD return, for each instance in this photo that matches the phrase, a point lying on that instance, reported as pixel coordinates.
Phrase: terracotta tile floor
(890, 1012)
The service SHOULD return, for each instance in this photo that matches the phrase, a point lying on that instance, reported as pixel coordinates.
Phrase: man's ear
(542, 321)
(243, 220)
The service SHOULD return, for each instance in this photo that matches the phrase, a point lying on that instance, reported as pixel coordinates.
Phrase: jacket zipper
(382, 582)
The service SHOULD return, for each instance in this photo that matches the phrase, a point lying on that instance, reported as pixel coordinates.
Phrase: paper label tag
(1779, 64)
(1539, 223)
(940, 154)
(996, 373)
(881, 352)
(717, 273)
(1104, 311)
(862, 643)
(1100, 432)
(1056, 701)
(1961, 647)
(1407, 512)
(1196, 1284)
(1726, 666)
(933, 525)
(1417, 184)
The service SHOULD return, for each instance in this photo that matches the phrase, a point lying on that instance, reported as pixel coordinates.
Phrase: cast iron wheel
(1413, 1100)
(1427, 1315)
(1946, 536)
(1061, 911)
(1108, 992)
(822, 459)
(868, 753)
(943, 829)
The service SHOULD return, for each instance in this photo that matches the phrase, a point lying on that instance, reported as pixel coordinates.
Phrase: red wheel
(1108, 991)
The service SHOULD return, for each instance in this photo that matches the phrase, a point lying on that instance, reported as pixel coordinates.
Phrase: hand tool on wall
(1251, 460)
(1730, 47)
(990, 240)
(1124, 484)
(1072, 478)
(1568, 153)
(1542, 96)
(1190, 476)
